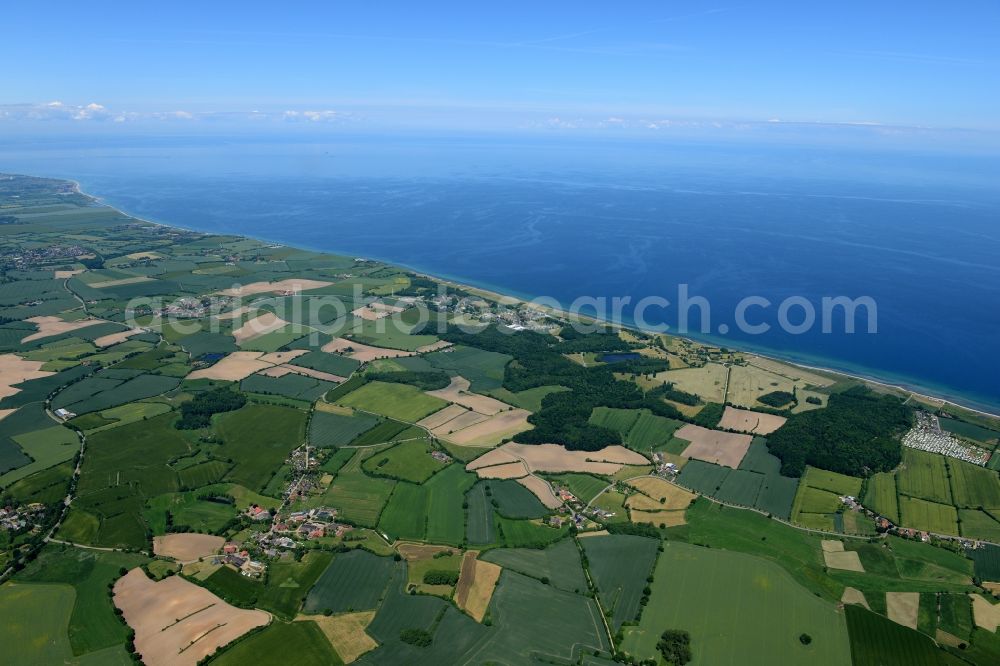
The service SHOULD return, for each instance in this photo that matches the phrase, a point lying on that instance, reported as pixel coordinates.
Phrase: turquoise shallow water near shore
(918, 234)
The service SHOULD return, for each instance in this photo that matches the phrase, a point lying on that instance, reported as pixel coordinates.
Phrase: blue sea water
(918, 233)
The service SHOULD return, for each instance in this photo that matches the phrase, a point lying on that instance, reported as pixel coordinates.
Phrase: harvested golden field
(178, 623)
(464, 420)
(63, 275)
(514, 470)
(542, 490)
(292, 286)
(658, 518)
(442, 416)
(258, 326)
(315, 374)
(556, 458)
(122, 282)
(185, 547)
(346, 633)
(14, 370)
(747, 383)
(362, 352)
(458, 392)
(837, 558)
(795, 373)
(374, 311)
(475, 585)
(854, 596)
(902, 607)
(232, 368)
(115, 338)
(48, 326)
(708, 381)
(494, 457)
(434, 346)
(986, 613)
(846, 560)
(721, 448)
(493, 430)
(745, 420)
(656, 494)
(276, 371)
(279, 357)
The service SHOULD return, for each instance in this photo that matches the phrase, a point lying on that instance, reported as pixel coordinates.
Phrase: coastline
(915, 390)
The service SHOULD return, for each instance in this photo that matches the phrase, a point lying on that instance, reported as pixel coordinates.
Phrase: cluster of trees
(668, 392)
(425, 380)
(857, 434)
(675, 646)
(602, 340)
(777, 398)
(418, 637)
(440, 577)
(710, 415)
(563, 417)
(198, 412)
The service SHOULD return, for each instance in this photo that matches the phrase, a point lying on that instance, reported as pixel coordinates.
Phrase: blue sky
(568, 66)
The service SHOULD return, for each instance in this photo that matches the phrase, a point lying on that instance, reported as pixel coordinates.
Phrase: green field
(405, 515)
(445, 495)
(619, 420)
(978, 524)
(880, 496)
(974, 486)
(818, 498)
(480, 527)
(283, 590)
(512, 500)
(741, 488)
(560, 626)
(925, 476)
(559, 564)
(527, 533)
(122, 467)
(530, 399)
(483, 369)
(47, 486)
(876, 641)
(408, 461)
(359, 497)
(33, 621)
(328, 430)
(353, 581)
(641, 430)
(755, 605)
(397, 401)
(258, 438)
(92, 623)
(291, 385)
(272, 645)
(584, 486)
(383, 333)
(930, 516)
(130, 413)
(385, 432)
(619, 565)
(47, 447)
(838, 484)
(186, 510)
(703, 477)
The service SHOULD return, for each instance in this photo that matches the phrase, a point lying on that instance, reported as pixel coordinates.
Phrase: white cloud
(95, 112)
